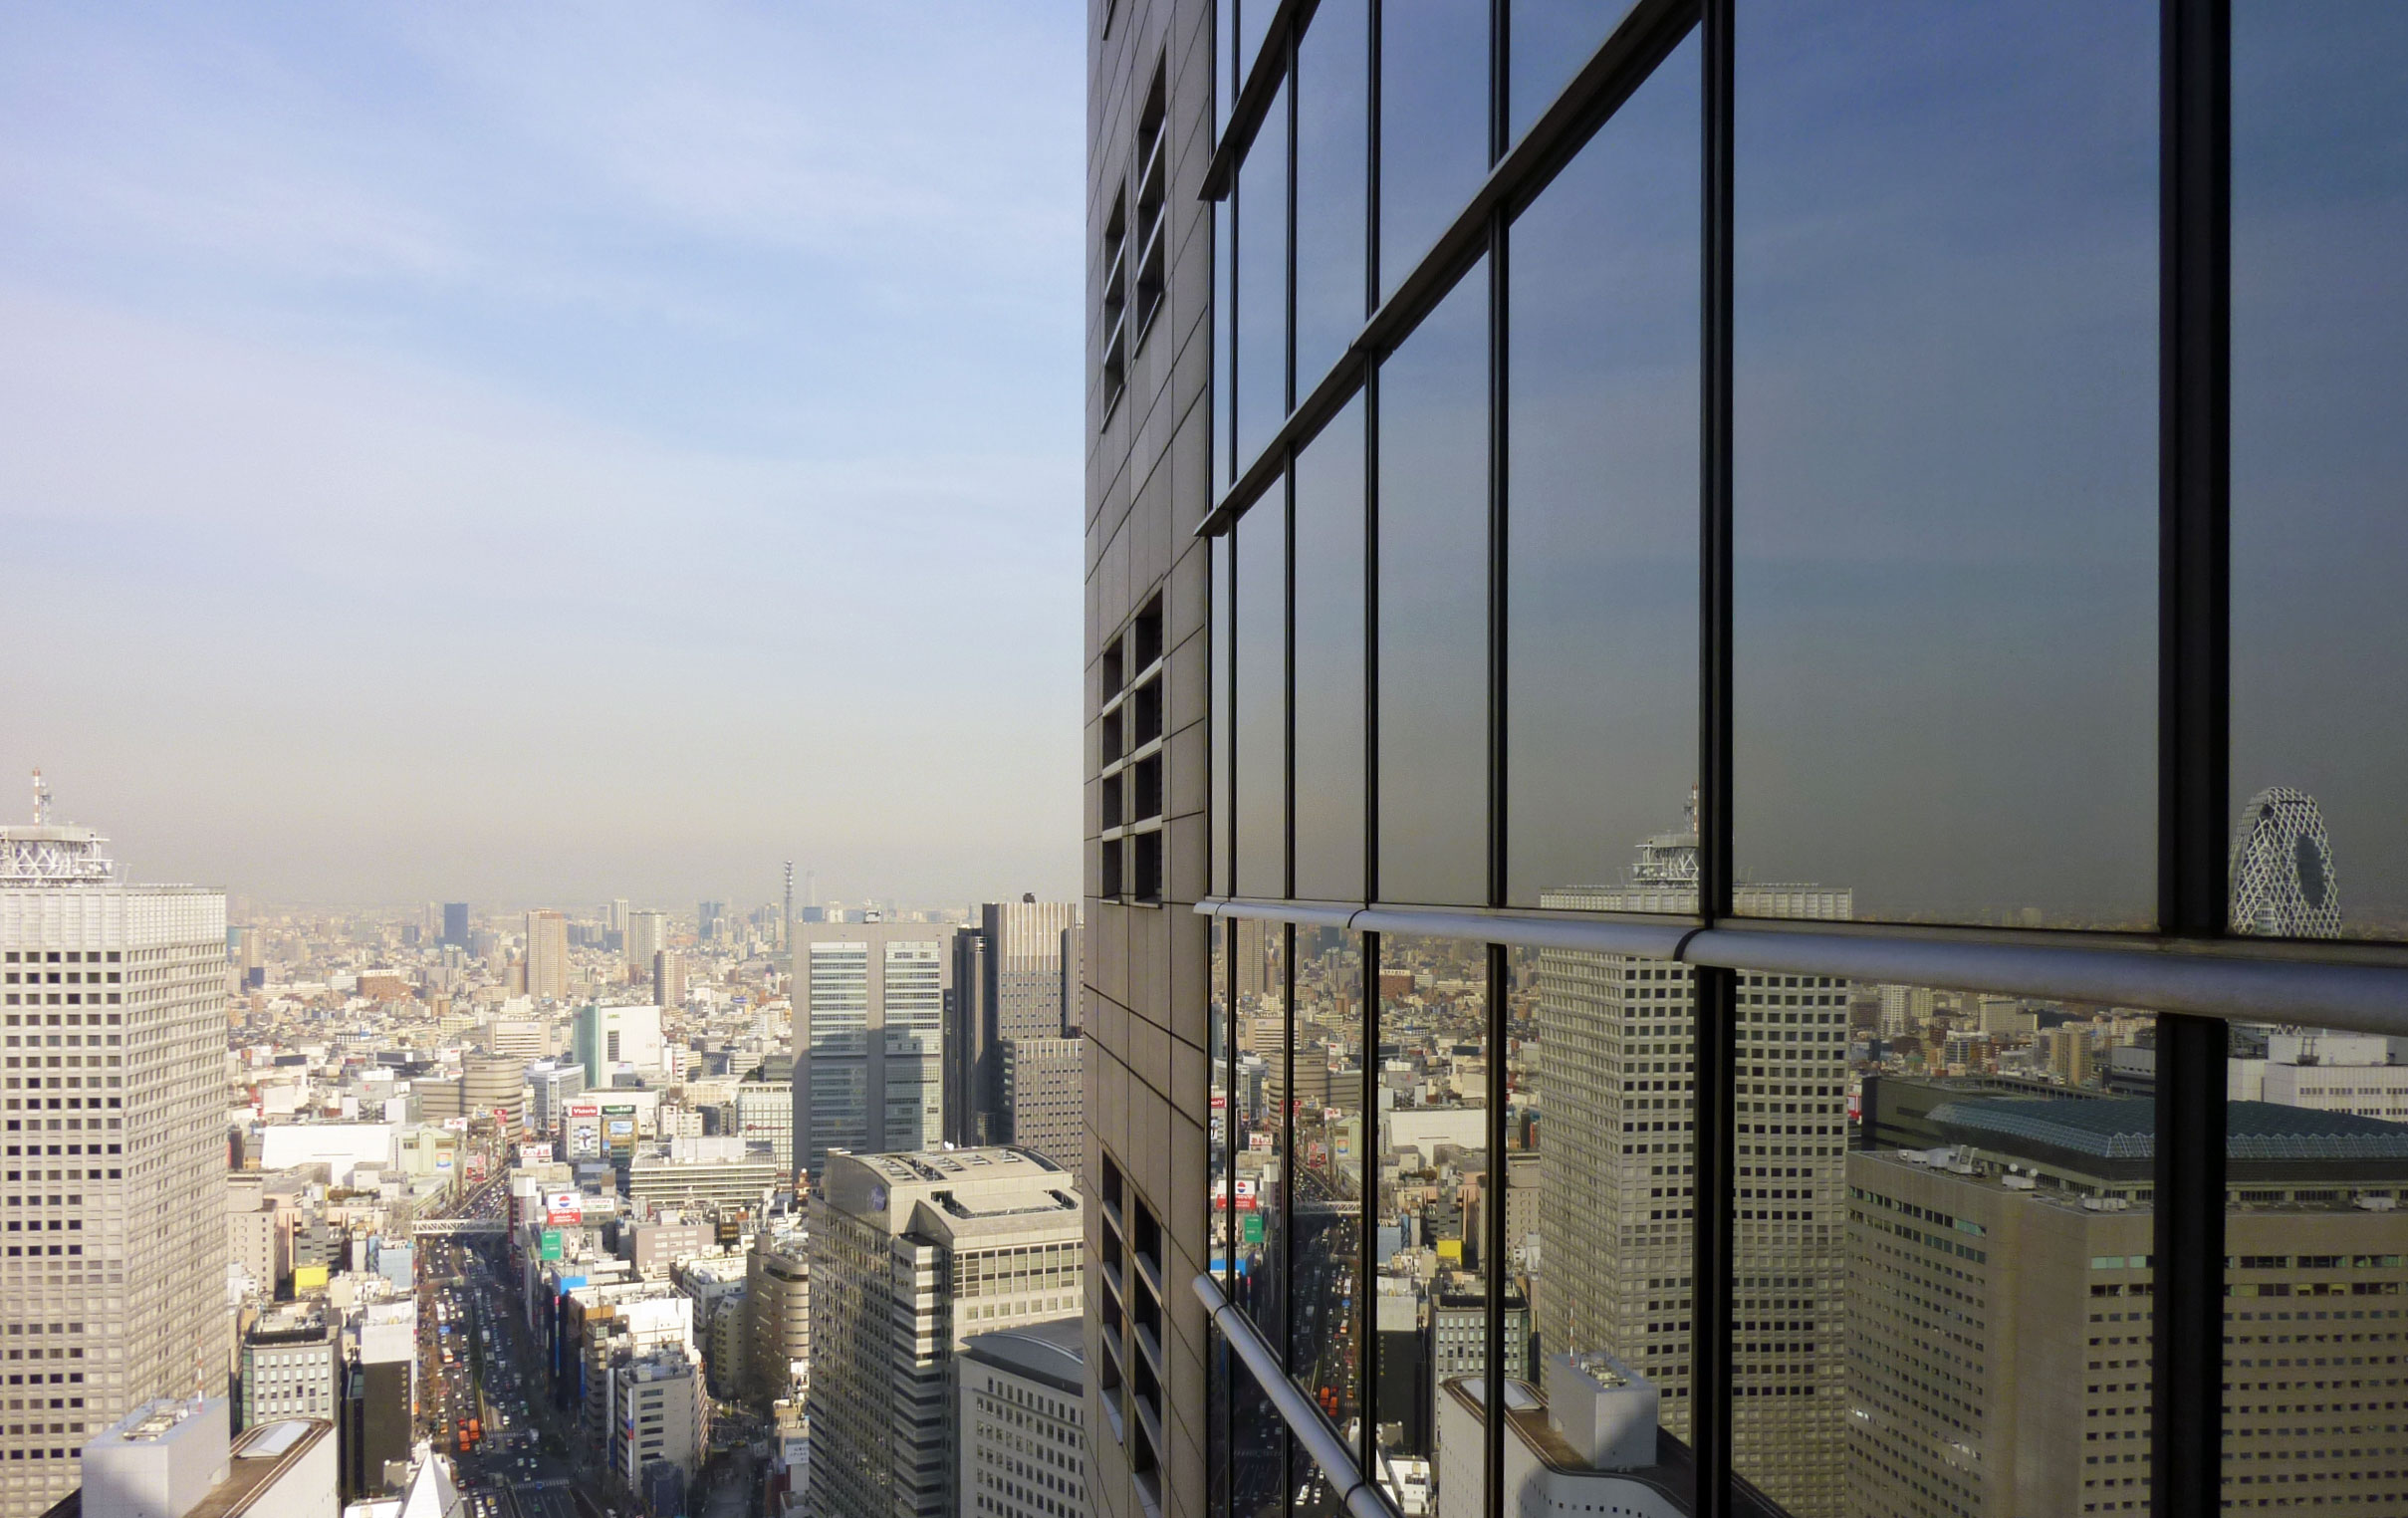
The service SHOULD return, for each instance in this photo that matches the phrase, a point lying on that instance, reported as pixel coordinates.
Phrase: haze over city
(544, 455)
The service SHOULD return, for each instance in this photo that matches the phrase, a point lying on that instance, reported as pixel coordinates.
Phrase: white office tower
(1023, 1421)
(869, 1038)
(1614, 1066)
(910, 1256)
(111, 1148)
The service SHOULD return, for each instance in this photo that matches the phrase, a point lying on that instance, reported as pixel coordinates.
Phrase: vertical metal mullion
(1288, 341)
(1716, 991)
(1287, 1284)
(2194, 673)
(1366, 1395)
(1370, 393)
(1493, 1231)
(1288, 679)
(1492, 1246)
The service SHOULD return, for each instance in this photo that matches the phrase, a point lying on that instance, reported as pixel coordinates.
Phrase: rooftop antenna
(41, 801)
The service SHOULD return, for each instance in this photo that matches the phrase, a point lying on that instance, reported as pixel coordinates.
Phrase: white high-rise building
(111, 1148)
(1614, 1068)
(910, 1256)
(1023, 1421)
(647, 934)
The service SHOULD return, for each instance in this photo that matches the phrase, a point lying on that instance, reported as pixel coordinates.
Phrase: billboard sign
(563, 1208)
(552, 1244)
(584, 1109)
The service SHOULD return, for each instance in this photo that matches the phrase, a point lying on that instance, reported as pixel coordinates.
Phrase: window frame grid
(2189, 970)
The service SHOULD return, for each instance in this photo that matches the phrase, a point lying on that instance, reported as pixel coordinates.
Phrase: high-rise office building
(2014, 1262)
(1613, 1069)
(1493, 431)
(1044, 1089)
(1020, 1412)
(668, 978)
(122, 1116)
(648, 933)
(868, 1037)
(765, 1114)
(455, 923)
(711, 922)
(1021, 991)
(910, 1256)
(288, 1366)
(546, 956)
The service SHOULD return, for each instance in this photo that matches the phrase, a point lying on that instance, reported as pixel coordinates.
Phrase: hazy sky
(548, 454)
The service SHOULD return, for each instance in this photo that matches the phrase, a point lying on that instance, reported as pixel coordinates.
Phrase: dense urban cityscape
(1702, 820)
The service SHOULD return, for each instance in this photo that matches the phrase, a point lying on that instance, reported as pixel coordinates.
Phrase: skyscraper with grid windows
(111, 1149)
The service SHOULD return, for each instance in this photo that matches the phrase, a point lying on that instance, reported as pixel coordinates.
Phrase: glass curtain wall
(1719, 479)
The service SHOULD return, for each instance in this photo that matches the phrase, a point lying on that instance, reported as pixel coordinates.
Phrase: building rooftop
(1052, 1351)
(2126, 1129)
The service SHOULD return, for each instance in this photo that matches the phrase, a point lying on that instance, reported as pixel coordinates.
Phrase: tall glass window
(1261, 285)
(1224, 707)
(1261, 993)
(1224, 345)
(1945, 442)
(1262, 697)
(1599, 1176)
(1428, 1299)
(1332, 175)
(1433, 555)
(1325, 1201)
(1433, 124)
(1330, 618)
(1551, 39)
(1601, 507)
(1219, 1231)
(2319, 353)
(1257, 1451)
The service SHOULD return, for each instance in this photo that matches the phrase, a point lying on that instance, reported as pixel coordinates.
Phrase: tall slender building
(868, 1037)
(912, 1255)
(2282, 875)
(1023, 994)
(120, 1118)
(647, 934)
(1614, 1072)
(546, 956)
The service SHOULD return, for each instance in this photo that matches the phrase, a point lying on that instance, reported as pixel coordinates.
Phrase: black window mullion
(1371, 886)
(1287, 1279)
(1492, 1245)
(2193, 682)
(1367, 1397)
(1716, 991)
(1287, 677)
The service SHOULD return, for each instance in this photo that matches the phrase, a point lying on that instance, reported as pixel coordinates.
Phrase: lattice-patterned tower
(2283, 878)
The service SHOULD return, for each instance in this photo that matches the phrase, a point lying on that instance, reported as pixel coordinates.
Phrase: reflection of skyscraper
(1616, 1172)
(2283, 880)
(2005, 1295)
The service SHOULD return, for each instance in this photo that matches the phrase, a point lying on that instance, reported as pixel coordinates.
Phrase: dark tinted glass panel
(2315, 1252)
(1433, 606)
(1429, 1317)
(2320, 448)
(1258, 1443)
(1599, 1172)
(1262, 704)
(1223, 1050)
(1325, 1209)
(1225, 79)
(1260, 988)
(1922, 1257)
(1262, 399)
(1602, 500)
(1329, 660)
(1224, 748)
(1552, 39)
(1433, 124)
(1252, 25)
(1217, 1367)
(1332, 169)
(1945, 456)
(1223, 329)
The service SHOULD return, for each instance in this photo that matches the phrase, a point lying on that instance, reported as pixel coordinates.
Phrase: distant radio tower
(786, 924)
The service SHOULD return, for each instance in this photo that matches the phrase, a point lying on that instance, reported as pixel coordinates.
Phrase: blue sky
(548, 452)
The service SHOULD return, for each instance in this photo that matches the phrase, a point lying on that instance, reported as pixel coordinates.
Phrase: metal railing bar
(1360, 1496)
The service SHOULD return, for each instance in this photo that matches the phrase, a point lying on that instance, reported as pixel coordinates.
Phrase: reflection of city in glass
(1979, 871)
